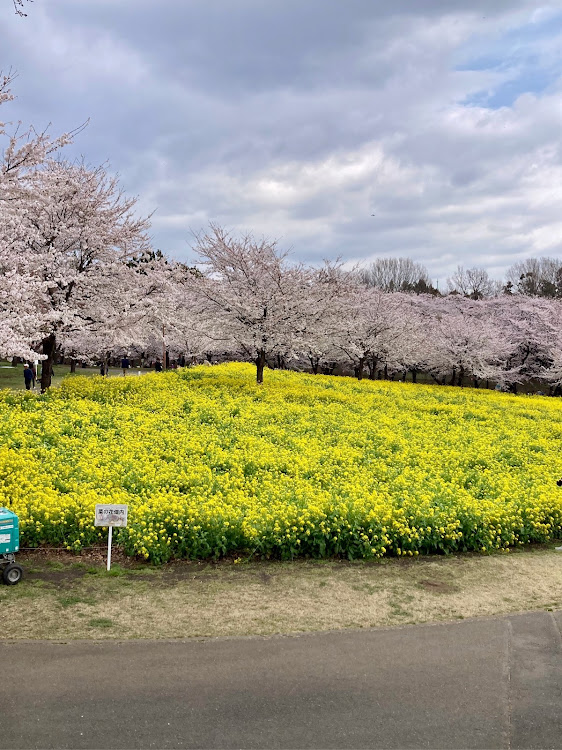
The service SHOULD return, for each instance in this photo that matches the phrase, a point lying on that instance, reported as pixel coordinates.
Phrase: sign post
(111, 515)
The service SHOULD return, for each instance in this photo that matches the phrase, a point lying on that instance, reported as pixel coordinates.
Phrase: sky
(355, 129)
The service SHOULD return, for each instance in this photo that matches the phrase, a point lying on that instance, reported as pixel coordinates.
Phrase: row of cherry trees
(79, 278)
(252, 303)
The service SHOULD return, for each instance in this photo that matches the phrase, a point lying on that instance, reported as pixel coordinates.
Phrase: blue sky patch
(526, 59)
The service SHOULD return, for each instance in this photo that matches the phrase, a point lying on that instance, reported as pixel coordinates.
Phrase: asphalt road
(486, 683)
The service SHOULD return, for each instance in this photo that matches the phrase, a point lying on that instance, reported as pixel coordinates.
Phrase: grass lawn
(66, 596)
(12, 377)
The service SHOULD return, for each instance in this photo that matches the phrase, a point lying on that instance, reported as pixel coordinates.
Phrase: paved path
(487, 683)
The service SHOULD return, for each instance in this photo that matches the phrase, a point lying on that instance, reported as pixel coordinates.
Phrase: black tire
(12, 574)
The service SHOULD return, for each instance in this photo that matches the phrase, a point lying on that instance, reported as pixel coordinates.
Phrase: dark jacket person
(27, 376)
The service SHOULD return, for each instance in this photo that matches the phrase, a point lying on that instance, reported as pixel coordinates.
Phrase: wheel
(12, 574)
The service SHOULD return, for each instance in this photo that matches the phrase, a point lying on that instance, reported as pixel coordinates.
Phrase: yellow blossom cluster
(212, 464)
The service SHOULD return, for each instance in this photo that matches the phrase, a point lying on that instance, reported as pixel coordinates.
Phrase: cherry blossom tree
(327, 296)
(409, 350)
(371, 326)
(167, 320)
(17, 331)
(26, 149)
(467, 340)
(189, 332)
(527, 329)
(118, 316)
(251, 295)
(5, 93)
(24, 152)
(71, 229)
(551, 370)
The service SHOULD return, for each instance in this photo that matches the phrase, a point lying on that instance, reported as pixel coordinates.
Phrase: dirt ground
(64, 596)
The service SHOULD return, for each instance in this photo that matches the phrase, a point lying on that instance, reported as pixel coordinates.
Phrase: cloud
(300, 120)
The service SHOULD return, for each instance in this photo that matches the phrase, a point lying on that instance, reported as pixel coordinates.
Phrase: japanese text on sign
(111, 515)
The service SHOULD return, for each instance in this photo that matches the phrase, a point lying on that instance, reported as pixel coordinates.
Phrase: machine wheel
(12, 574)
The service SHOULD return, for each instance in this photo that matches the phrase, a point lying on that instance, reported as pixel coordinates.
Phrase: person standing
(27, 376)
(33, 368)
(125, 364)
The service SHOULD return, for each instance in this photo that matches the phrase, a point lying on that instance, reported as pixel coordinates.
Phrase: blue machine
(12, 573)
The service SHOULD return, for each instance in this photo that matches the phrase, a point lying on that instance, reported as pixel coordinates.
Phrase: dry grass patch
(63, 598)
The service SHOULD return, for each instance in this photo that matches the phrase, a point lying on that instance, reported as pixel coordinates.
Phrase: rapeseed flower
(211, 464)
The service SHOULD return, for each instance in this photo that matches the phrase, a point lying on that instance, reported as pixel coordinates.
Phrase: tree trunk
(49, 345)
(359, 368)
(453, 376)
(15, 361)
(260, 364)
(386, 371)
(72, 365)
(439, 381)
(372, 365)
(314, 364)
(414, 375)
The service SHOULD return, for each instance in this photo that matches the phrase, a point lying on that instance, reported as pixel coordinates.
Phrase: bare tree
(536, 277)
(396, 275)
(473, 283)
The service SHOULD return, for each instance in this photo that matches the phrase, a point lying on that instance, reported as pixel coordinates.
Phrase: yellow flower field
(212, 464)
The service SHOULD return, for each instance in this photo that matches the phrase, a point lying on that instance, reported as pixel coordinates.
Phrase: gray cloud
(299, 120)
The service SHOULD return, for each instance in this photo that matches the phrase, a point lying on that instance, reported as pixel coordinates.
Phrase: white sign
(111, 515)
